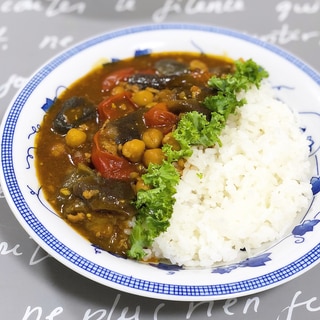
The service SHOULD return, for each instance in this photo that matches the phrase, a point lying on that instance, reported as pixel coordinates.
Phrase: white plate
(294, 82)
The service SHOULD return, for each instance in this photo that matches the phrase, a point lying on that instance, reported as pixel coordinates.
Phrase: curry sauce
(104, 130)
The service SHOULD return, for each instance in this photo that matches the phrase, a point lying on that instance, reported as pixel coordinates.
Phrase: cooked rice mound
(243, 194)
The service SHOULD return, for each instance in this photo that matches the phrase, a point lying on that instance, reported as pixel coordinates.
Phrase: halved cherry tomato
(109, 165)
(159, 117)
(113, 79)
(115, 107)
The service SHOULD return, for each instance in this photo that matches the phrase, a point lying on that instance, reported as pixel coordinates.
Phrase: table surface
(35, 286)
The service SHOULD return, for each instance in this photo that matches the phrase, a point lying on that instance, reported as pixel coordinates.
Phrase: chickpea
(198, 64)
(133, 150)
(142, 98)
(140, 185)
(117, 90)
(155, 156)
(75, 137)
(134, 175)
(152, 138)
(169, 139)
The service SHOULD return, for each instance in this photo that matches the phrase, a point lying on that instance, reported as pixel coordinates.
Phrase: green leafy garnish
(194, 129)
(247, 73)
(155, 206)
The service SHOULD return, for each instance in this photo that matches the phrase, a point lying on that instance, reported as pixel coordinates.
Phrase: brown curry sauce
(89, 175)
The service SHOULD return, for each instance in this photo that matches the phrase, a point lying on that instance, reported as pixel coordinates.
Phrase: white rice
(243, 194)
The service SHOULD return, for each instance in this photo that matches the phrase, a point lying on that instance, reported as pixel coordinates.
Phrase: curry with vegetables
(111, 148)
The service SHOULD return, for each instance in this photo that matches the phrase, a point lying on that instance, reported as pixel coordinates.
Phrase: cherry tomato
(113, 79)
(115, 107)
(159, 117)
(109, 165)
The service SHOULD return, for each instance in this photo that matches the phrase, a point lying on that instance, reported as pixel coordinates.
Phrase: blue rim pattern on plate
(266, 280)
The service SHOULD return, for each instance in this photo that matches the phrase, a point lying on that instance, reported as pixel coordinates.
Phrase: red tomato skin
(108, 109)
(113, 79)
(110, 166)
(159, 117)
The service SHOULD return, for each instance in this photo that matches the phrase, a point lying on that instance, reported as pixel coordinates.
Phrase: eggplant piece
(93, 193)
(220, 70)
(188, 105)
(105, 195)
(158, 82)
(170, 67)
(149, 80)
(126, 128)
(166, 69)
(83, 109)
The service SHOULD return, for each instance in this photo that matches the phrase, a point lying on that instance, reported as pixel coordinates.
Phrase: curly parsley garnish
(155, 206)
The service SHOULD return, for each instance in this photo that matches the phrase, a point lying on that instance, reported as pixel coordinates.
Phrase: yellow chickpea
(133, 150)
(140, 185)
(152, 138)
(142, 98)
(169, 139)
(117, 90)
(198, 64)
(75, 137)
(155, 156)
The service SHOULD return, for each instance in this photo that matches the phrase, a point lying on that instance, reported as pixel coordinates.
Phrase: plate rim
(139, 287)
